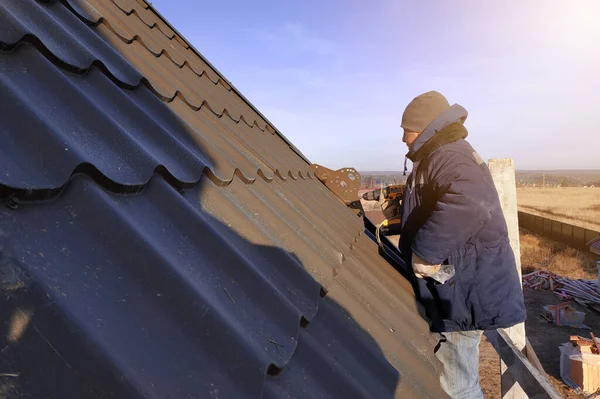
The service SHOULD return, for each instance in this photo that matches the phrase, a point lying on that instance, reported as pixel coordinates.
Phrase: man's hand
(392, 208)
(423, 269)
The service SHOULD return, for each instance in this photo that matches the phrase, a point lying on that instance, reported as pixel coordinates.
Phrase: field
(574, 205)
(563, 178)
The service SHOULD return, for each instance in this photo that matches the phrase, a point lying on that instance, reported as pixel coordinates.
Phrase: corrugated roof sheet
(159, 239)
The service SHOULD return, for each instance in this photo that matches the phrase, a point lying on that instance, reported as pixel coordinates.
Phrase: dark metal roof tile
(178, 252)
(335, 358)
(172, 45)
(145, 15)
(54, 26)
(164, 281)
(417, 374)
(77, 119)
(279, 223)
(125, 134)
(142, 256)
(264, 150)
(63, 35)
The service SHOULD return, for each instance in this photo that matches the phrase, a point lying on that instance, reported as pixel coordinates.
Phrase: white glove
(422, 268)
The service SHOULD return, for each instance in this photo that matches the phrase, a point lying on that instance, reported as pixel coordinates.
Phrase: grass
(573, 205)
(539, 253)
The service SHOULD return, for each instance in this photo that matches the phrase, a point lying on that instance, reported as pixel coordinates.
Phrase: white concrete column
(503, 173)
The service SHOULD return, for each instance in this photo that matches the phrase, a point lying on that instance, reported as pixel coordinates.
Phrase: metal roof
(160, 239)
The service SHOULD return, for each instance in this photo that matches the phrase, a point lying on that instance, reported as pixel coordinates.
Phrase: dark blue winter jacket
(451, 214)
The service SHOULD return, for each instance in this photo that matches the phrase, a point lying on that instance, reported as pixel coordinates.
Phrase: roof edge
(191, 46)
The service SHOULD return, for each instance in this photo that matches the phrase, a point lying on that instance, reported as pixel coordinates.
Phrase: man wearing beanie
(455, 237)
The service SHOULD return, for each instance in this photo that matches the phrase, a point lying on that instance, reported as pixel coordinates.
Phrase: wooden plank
(503, 174)
(531, 381)
(532, 357)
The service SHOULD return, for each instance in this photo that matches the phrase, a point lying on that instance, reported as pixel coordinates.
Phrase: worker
(454, 235)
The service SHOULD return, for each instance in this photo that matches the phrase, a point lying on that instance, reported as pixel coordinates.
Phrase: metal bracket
(344, 183)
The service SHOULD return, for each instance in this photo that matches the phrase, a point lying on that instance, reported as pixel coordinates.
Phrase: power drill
(390, 192)
(393, 195)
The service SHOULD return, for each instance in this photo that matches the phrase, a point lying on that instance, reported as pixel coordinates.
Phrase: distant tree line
(524, 179)
(548, 179)
(375, 181)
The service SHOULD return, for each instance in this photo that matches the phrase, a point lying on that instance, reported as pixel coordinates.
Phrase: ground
(574, 205)
(538, 253)
(545, 338)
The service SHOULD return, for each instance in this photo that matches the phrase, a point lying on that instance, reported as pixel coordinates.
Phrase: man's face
(409, 138)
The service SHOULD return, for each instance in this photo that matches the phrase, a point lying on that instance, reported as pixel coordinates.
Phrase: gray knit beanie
(423, 110)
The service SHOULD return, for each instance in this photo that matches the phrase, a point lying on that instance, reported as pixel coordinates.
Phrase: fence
(574, 236)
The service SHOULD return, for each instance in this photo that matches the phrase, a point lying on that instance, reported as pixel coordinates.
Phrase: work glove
(423, 269)
(440, 273)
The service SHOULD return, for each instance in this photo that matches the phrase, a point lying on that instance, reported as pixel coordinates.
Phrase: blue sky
(335, 75)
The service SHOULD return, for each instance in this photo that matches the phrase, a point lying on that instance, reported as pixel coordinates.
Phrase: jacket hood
(455, 113)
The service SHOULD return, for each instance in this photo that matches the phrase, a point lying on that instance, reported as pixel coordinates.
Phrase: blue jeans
(460, 358)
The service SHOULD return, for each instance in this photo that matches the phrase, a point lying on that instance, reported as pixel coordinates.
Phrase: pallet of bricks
(580, 364)
(580, 357)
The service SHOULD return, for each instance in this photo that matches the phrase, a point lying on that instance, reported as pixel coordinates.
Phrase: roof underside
(161, 239)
